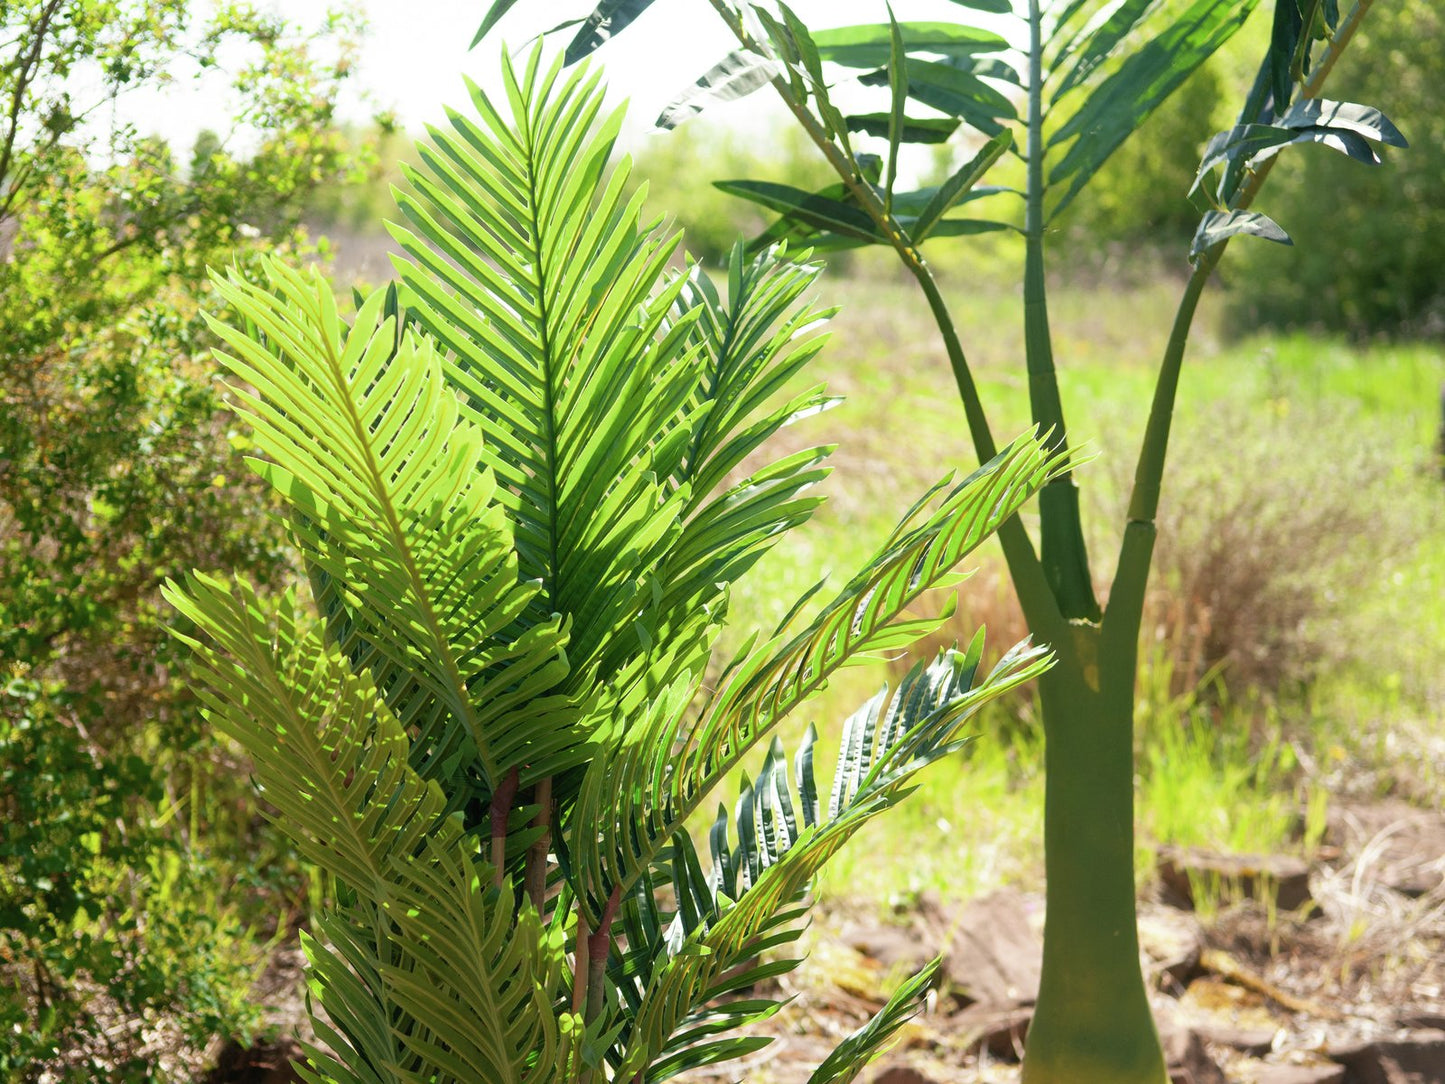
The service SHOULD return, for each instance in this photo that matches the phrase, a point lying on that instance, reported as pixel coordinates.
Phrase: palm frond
(673, 757)
(539, 278)
(753, 895)
(617, 409)
(479, 973)
(366, 445)
(750, 347)
(853, 1054)
(327, 752)
(425, 935)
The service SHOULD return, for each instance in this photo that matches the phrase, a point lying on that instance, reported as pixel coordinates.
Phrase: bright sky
(416, 53)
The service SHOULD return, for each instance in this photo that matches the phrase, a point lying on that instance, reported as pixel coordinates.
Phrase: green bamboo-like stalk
(1092, 1023)
(1061, 545)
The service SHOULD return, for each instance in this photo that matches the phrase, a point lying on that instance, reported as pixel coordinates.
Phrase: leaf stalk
(501, 810)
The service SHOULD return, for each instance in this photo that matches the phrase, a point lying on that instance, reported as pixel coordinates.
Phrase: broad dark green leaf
(912, 203)
(735, 76)
(1218, 226)
(1131, 92)
(952, 89)
(963, 179)
(1101, 44)
(1346, 142)
(1255, 143)
(914, 130)
(494, 13)
(800, 40)
(986, 67)
(1241, 142)
(1284, 39)
(869, 46)
(968, 227)
(608, 19)
(814, 209)
(1363, 120)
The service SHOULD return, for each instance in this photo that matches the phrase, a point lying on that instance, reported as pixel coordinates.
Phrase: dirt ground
(1329, 972)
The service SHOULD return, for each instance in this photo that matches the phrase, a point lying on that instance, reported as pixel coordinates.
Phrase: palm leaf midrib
(546, 346)
(361, 434)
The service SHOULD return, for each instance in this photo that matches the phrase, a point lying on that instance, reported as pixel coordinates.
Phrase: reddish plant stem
(502, 799)
(599, 944)
(535, 878)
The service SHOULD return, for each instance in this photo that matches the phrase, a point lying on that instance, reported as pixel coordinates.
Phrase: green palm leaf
(852, 1055)
(479, 973)
(1081, 141)
(616, 411)
(423, 935)
(754, 892)
(367, 446)
(319, 736)
(751, 346)
(639, 795)
(538, 277)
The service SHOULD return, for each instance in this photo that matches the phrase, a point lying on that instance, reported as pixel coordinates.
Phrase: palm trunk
(1092, 1024)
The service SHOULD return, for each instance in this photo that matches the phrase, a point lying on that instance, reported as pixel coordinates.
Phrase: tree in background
(1381, 272)
(113, 448)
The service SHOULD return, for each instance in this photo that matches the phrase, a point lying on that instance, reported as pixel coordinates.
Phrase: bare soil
(1345, 986)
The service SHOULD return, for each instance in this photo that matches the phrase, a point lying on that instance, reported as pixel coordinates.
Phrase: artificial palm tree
(523, 482)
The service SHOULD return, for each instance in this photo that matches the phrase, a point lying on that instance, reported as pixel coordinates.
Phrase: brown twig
(502, 799)
(535, 877)
(27, 70)
(1227, 967)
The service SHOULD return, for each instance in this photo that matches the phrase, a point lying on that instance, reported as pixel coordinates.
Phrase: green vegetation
(522, 550)
(115, 472)
(1293, 626)
(1089, 76)
(1380, 273)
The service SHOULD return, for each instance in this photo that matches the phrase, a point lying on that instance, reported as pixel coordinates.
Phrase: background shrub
(1380, 272)
(115, 473)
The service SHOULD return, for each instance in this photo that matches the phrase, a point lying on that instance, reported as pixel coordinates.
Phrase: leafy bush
(521, 506)
(119, 939)
(114, 474)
